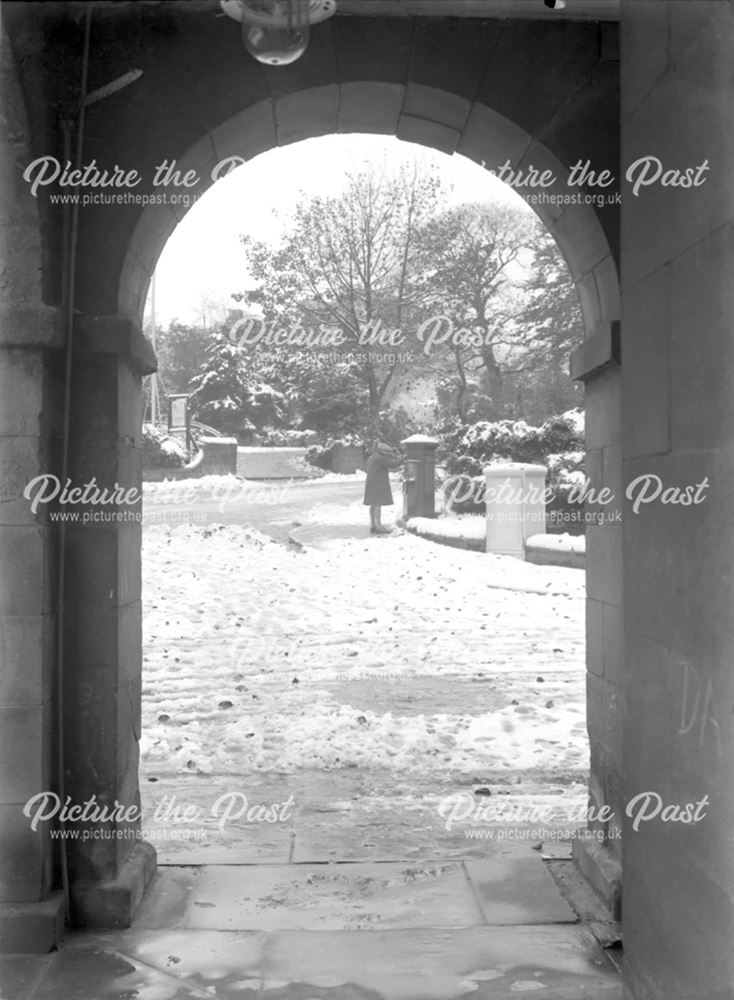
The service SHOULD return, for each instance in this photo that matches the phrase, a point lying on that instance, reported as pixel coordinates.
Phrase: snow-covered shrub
(271, 438)
(565, 473)
(468, 449)
(161, 451)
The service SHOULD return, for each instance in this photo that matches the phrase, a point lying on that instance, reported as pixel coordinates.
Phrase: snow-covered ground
(385, 653)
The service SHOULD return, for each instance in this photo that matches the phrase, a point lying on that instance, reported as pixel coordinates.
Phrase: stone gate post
(515, 502)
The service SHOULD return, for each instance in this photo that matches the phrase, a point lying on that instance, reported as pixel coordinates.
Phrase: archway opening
(313, 693)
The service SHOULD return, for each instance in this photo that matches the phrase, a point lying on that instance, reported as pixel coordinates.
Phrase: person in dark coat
(377, 492)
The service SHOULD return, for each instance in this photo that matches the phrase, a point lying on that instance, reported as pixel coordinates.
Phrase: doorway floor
(493, 928)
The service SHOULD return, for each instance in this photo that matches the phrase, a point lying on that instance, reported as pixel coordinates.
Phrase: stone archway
(455, 85)
(491, 140)
(486, 137)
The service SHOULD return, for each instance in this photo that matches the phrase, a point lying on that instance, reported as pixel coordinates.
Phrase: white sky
(203, 262)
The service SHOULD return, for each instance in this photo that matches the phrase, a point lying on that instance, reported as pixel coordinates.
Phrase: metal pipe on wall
(70, 239)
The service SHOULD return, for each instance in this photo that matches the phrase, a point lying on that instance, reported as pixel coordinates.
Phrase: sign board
(178, 413)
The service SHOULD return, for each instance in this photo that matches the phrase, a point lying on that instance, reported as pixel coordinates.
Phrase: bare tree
(356, 262)
(479, 255)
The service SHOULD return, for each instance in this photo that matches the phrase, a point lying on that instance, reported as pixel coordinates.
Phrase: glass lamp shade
(276, 32)
(275, 46)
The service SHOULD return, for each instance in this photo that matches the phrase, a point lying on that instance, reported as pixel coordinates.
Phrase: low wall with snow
(217, 457)
(468, 532)
(557, 550)
(274, 463)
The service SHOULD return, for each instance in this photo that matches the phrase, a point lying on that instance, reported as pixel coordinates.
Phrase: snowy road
(271, 507)
(390, 663)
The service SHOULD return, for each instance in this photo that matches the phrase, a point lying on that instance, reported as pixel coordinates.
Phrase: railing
(203, 430)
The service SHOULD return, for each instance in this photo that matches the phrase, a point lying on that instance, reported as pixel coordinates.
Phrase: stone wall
(92, 751)
(103, 619)
(274, 463)
(600, 860)
(29, 412)
(678, 424)
(596, 363)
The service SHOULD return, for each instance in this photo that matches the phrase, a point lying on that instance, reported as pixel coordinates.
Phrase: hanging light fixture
(276, 32)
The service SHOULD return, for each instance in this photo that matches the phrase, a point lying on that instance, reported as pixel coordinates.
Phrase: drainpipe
(70, 238)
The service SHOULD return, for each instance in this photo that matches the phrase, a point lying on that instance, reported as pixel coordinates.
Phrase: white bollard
(515, 497)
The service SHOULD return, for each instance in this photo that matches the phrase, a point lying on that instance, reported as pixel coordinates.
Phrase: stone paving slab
(328, 897)
(500, 891)
(93, 971)
(558, 962)
(19, 973)
(518, 891)
(212, 963)
(151, 965)
(555, 963)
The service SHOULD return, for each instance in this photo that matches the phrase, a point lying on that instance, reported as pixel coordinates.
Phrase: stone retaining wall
(274, 463)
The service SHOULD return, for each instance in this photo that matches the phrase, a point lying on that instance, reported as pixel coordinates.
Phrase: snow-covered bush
(468, 449)
(161, 451)
(269, 437)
